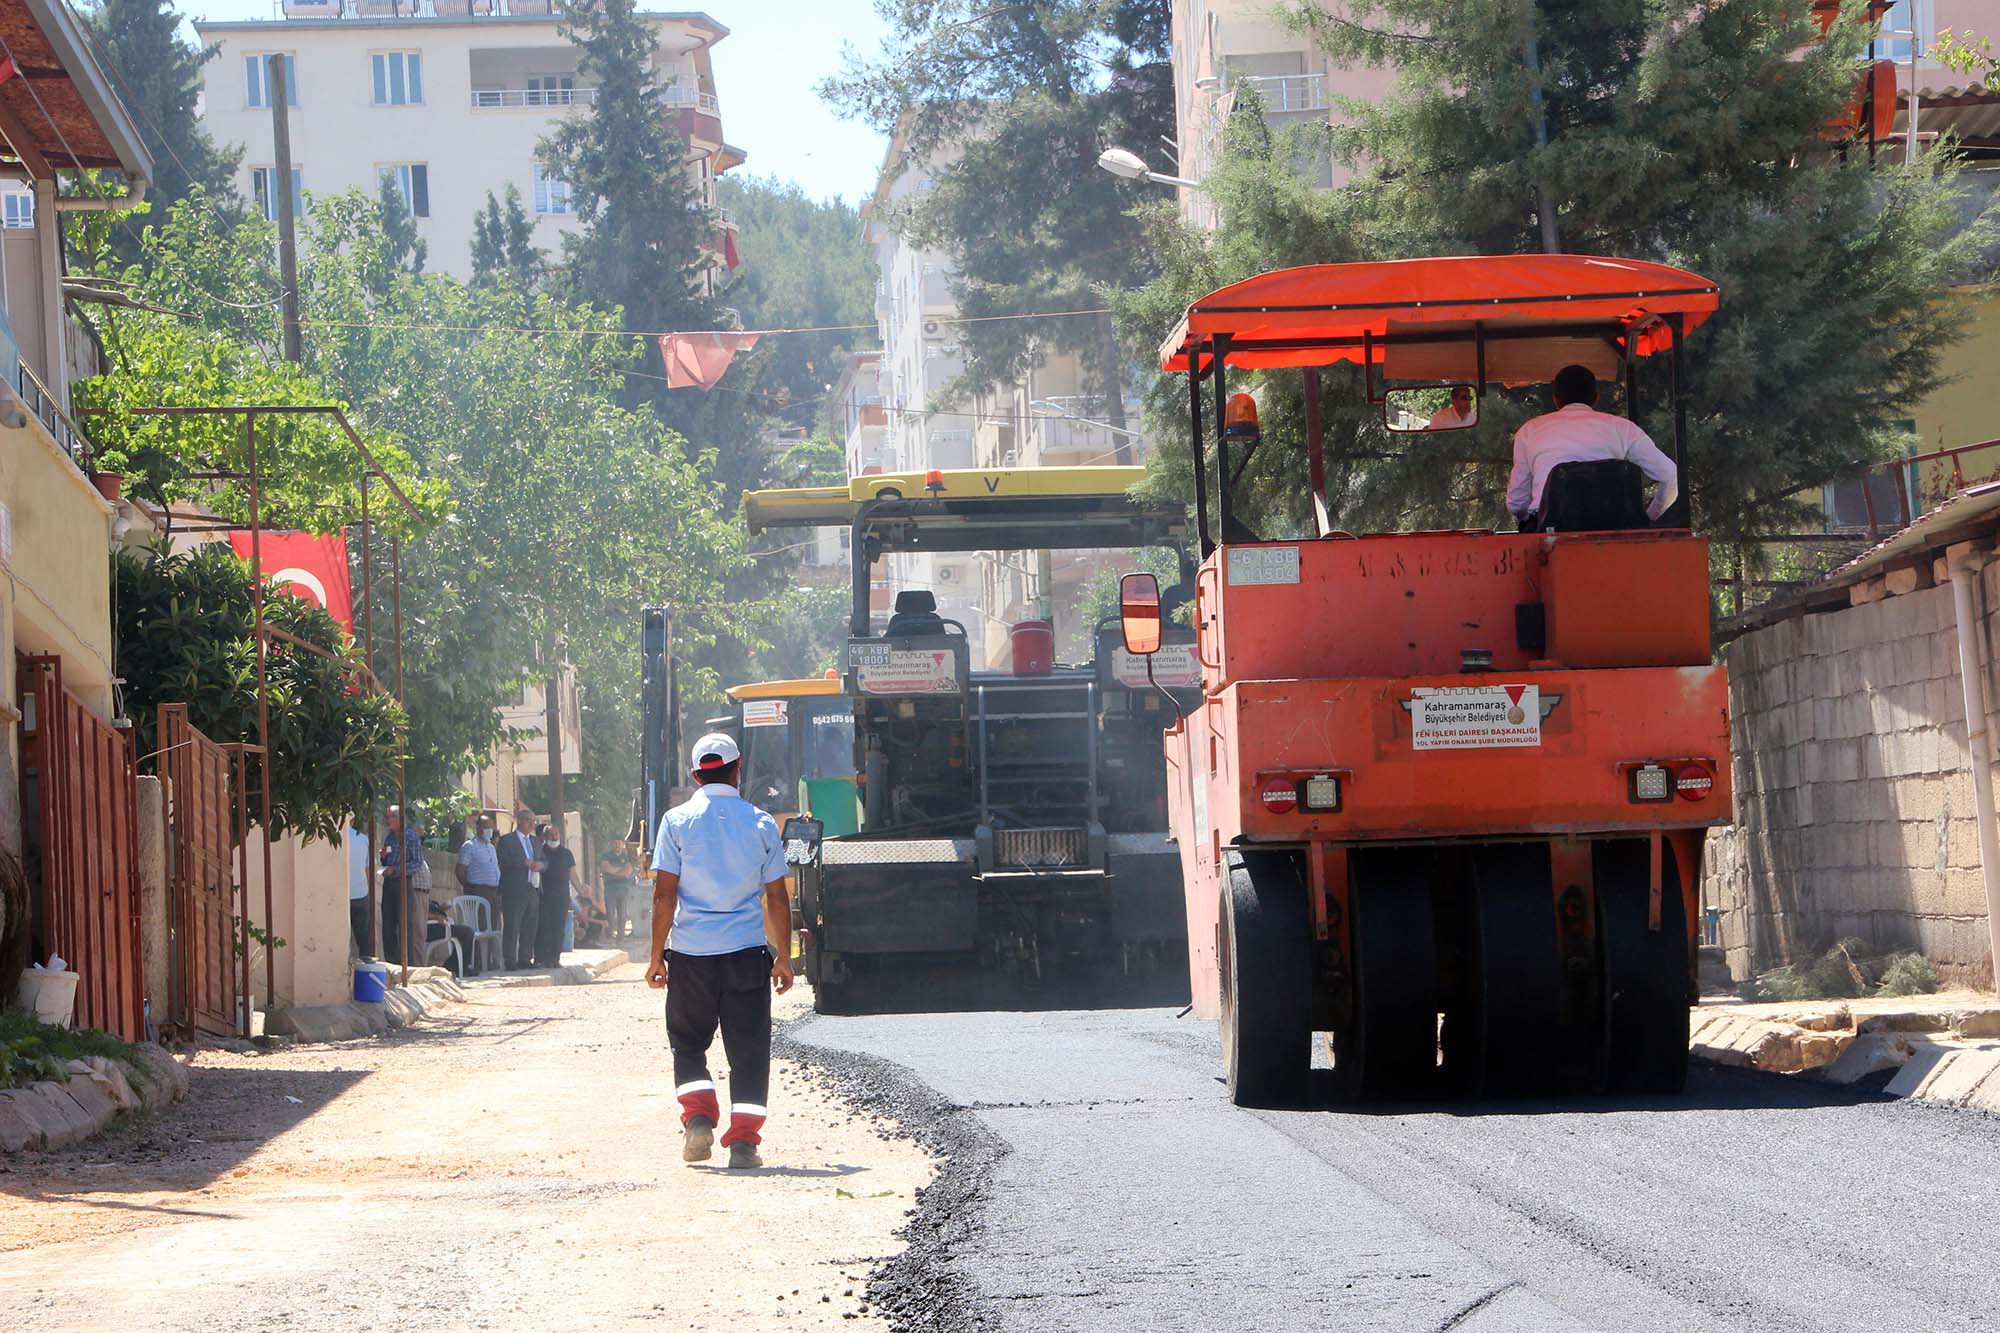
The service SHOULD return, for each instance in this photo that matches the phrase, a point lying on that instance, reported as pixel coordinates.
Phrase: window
(399, 78)
(17, 210)
(551, 192)
(551, 90)
(413, 180)
(257, 79)
(1906, 21)
(267, 201)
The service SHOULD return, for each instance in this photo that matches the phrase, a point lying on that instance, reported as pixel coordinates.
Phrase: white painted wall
(341, 139)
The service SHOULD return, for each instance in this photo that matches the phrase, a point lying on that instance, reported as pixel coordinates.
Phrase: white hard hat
(715, 750)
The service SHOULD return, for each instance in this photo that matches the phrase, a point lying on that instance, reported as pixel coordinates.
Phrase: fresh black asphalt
(1099, 1179)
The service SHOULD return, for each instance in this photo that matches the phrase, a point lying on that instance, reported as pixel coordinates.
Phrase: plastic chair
(469, 909)
(443, 950)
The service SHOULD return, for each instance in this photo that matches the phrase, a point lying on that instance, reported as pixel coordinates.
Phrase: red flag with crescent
(306, 565)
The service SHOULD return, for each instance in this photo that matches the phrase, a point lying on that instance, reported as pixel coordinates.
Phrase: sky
(765, 72)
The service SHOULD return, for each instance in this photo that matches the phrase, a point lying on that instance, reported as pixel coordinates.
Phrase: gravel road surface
(512, 1164)
(1127, 1193)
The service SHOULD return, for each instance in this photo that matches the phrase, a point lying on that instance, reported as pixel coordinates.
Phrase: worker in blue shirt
(718, 868)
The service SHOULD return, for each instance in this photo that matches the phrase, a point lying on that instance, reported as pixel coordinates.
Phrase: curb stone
(1944, 1057)
(48, 1115)
(430, 990)
(571, 974)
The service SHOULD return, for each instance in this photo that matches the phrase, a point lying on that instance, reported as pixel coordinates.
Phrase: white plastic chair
(469, 909)
(443, 950)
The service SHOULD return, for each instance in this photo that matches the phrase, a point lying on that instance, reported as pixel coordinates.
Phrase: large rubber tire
(1266, 963)
(1645, 971)
(1514, 1027)
(1388, 1052)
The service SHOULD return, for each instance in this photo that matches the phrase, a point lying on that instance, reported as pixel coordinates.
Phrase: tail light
(1658, 781)
(1693, 782)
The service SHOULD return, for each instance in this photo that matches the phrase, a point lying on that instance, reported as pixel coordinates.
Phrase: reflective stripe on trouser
(698, 1099)
(731, 991)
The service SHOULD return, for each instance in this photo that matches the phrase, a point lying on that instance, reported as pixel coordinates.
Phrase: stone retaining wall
(1854, 811)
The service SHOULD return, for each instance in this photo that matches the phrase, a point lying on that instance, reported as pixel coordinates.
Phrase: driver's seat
(916, 614)
(1604, 495)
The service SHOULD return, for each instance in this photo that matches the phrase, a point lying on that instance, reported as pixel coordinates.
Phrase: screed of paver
(516, 1165)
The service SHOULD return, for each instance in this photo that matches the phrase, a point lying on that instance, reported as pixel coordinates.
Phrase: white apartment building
(448, 98)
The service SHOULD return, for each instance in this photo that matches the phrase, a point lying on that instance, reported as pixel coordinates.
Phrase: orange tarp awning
(1325, 302)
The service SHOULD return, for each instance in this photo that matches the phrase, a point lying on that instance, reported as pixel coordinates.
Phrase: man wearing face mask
(478, 867)
(557, 864)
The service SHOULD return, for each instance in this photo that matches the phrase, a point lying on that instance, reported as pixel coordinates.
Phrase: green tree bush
(1691, 137)
(185, 634)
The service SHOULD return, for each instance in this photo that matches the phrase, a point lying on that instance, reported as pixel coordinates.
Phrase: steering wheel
(955, 625)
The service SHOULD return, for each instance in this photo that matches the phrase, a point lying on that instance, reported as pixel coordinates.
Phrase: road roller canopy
(1482, 319)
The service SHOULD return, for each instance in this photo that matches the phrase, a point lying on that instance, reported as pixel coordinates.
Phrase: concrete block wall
(1854, 811)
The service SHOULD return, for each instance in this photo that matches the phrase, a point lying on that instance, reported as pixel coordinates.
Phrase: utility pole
(552, 723)
(1545, 204)
(281, 186)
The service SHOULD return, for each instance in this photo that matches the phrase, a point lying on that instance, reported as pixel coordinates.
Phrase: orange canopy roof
(1322, 313)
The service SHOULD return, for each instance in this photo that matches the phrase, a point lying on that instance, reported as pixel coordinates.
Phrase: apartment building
(447, 98)
(899, 416)
(1221, 48)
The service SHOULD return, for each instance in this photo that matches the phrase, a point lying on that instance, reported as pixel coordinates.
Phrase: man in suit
(520, 864)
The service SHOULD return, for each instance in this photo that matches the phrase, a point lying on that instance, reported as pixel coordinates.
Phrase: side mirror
(1431, 408)
(1139, 613)
(802, 838)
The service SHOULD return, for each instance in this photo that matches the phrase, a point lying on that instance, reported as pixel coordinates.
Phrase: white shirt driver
(1577, 433)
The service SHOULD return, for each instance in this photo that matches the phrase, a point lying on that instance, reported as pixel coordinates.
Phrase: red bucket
(1034, 645)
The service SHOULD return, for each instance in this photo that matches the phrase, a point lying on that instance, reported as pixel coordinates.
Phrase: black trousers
(732, 990)
(395, 902)
(518, 913)
(551, 915)
(357, 921)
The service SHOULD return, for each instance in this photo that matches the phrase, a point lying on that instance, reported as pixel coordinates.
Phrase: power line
(674, 333)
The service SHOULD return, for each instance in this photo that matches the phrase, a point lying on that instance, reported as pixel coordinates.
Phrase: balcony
(678, 95)
(494, 99)
(35, 396)
(1287, 92)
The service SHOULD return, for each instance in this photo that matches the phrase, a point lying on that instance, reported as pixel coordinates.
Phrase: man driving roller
(1576, 432)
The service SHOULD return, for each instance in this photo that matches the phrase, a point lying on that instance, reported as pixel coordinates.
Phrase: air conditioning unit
(933, 328)
(947, 573)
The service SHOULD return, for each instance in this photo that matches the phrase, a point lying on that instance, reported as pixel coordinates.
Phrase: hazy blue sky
(765, 70)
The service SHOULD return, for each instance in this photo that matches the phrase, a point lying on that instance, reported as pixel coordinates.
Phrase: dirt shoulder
(514, 1164)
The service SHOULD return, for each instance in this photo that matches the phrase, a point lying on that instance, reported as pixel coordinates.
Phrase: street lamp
(1051, 409)
(1128, 165)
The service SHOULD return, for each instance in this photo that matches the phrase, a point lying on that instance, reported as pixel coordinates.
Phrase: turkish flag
(306, 565)
(698, 360)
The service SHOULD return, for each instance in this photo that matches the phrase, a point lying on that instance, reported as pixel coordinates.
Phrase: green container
(834, 802)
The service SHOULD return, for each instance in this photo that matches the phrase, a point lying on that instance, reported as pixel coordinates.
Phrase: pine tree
(158, 77)
(1016, 102)
(406, 249)
(503, 243)
(1691, 135)
(644, 228)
